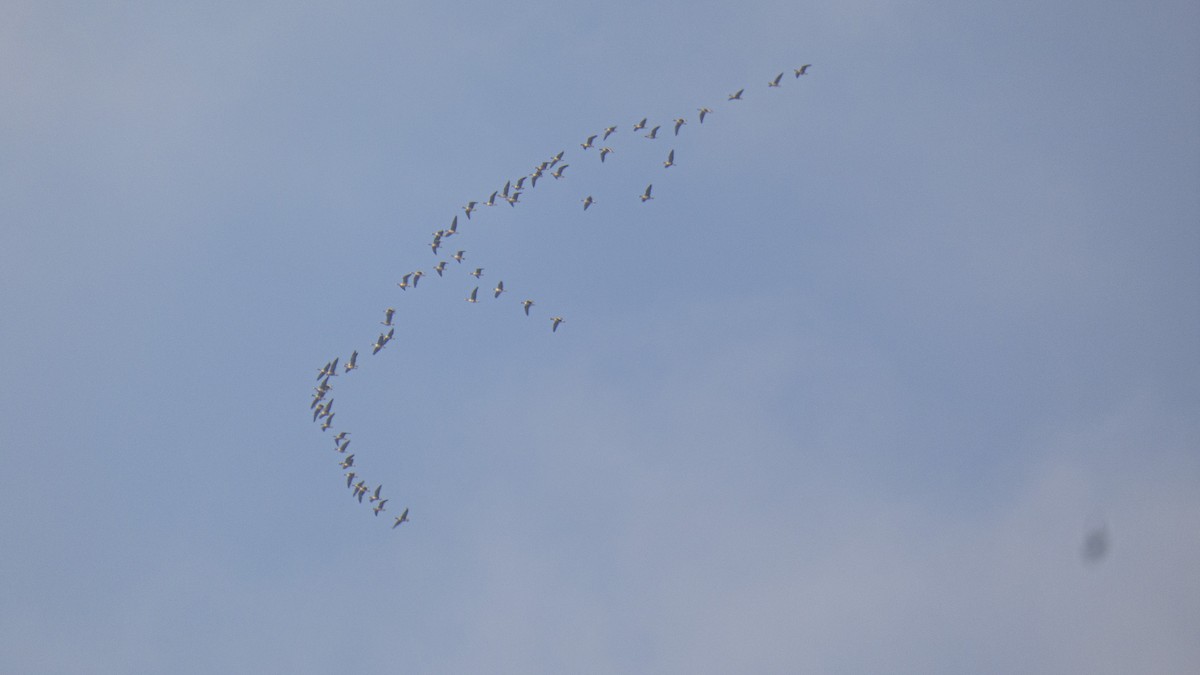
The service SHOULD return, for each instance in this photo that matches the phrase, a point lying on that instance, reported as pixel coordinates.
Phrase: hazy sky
(848, 395)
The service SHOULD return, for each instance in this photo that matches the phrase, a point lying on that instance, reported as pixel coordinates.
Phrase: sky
(850, 394)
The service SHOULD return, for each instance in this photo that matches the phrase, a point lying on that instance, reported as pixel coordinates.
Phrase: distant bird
(603, 152)
(703, 112)
(379, 507)
(387, 316)
(417, 277)
(588, 201)
(736, 96)
(469, 208)
(384, 338)
(477, 273)
(498, 289)
(454, 226)
(328, 422)
(588, 143)
(653, 133)
(646, 195)
(507, 187)
(318, 412)
(670, 159)
(360, 489)
(512, 199)
(640, 125)
(348, 462)
(435, 245)
(802, 70)
(402, 518)
(533, 178)
(459, 257)
(474, 292)
(341, 435)
(342, 448)
(775, 82)
(492, 200)
(608, 131)
(527, 304)
(1095, 545)
(441, 267)
(557, 158)
(375, 497)
(350, 478)
(558, 173)
(555, 320)
(520, 184)
(679, 121)
(353, 362)
(404, 281)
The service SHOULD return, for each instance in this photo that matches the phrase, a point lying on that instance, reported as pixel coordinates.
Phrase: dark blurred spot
(1095, 545)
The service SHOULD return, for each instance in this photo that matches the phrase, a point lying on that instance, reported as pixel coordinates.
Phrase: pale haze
(897, 372)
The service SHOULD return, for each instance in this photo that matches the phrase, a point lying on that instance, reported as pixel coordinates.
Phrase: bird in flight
(402, 518)
(441, 267)
(588, 143)
(459, 256)
(670, 159)
(477, 273)
(404, 281)
(555, 321)
(387, 316)
(640, 125)
(527, 304)
(653, 133)
(802, 70)
(558, 173)
(469, 208)
(492, 200)
(498, 289)
(646, 195)
(588, 201)
(736, 96)
(608, 131)
(379, 507)
(703, 112)
(353, 362)
(348, 462)
(679, 121)
(474, 292)
(775, 82)
(604, 152)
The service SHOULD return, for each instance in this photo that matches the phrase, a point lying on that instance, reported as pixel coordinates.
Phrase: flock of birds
(555, 167)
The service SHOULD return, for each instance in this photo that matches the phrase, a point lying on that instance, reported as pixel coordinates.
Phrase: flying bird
(417, 277)
(350, 478)
(387, 316)
(492, 200)
(498, 289)
(653, 133)
(375, 497)
(588, 201)
(775, 82)
(353, 362)
(441, 267)
(404, 281)
(379, 507)
(608, 132)
(679, 121)
(670, 159)
(736, 96)
(802, 70)
(527, 304)
(558, 173)
(454, 226)
(703, 112)
(555, 320)
(402, 518)
(588, 143)
(348, 462)
(469, 208)
(459, 257)
(477, 273)
(640, 125)
(328, 422)
(646, 195)
(603, 152)
(512, 199)
(474, 292)
(342, 448)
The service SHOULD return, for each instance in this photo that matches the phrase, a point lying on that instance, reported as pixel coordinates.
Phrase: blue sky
(846, 396)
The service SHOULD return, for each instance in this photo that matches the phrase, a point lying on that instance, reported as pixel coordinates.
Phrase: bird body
(604, 152)
(653, 133)
(459, 257)
(387, 316)
(472, 297)
(527, 304)
(703, 112)
(588, 143)
(679, 121)
(498, 289)
(441, 267)
(640, 125)
(775, 82)
(670, 159)
(802, 70)
(608, 131)
(555, 320)
(477, 273)
(402, 518)
(588, 201)
(353, 362)
(737, 95)
(646, 195)
(558, 173)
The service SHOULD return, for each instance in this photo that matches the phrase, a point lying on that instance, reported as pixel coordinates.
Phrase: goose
(453, 227)
(703, 112)
(360, 488)
(555, 320)
(417, 277)
(588, 201)
(557, 158)
(342, 447)
(328, 410)
(679, 121)
(379, 507)
(328, 422)
(402, 518)
(527, 304)
(435, 245)
(318, 412)
(558, 173)
(404, 281)
(348, 462)
(802, 70)
(387, 316)
(492, 200)
(498, 289)
(473, 293)
(605, 151)
(441, 267)
(512, 200)
(588, 143)
(477, 273)
(507, 186)
(646, 195)
(653, 133)
(775, 82)
(736, 96)
(469, 208)
(533, 178)
(350, 478)
(375, 497)
(459, 256)
(379, 343)
(640, 125)
(341, 435)
(353, 362)
(670, 159)
(520, 184)
(323, 370)
(316, 400)
(608, 131)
